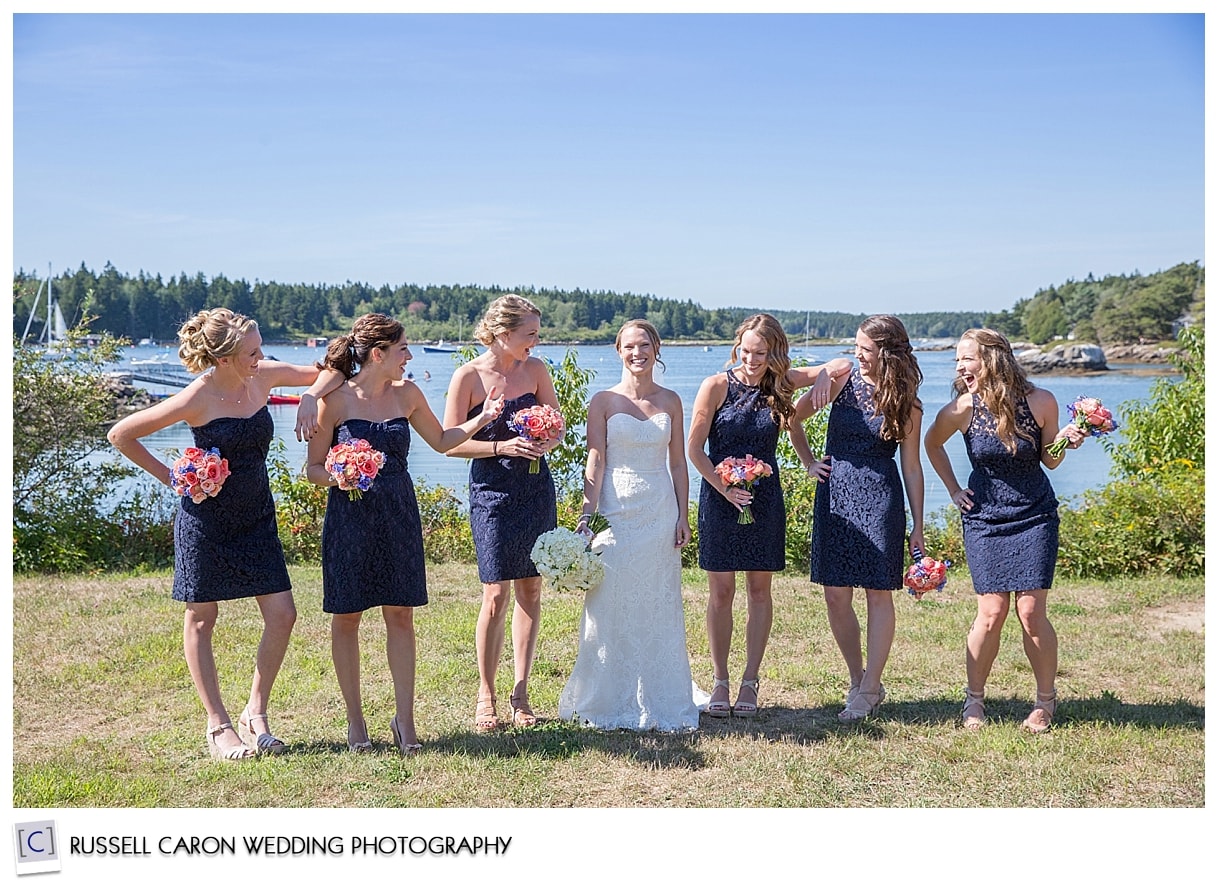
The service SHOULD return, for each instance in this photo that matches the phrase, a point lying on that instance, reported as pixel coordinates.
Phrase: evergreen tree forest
(1114, 309)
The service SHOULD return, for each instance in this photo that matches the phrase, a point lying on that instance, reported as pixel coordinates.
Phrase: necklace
(240, 398)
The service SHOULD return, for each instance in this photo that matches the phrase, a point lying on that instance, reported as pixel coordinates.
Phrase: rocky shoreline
(1090, 358)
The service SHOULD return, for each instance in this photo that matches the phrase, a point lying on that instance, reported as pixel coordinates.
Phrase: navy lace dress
(508, 507)
(372, 547)
(227, 546)
(858, 519)
(743, 425)
(1010, 534)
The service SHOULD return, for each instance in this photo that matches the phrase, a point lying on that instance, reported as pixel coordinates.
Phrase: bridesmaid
(227, 546)
(738, 412)
(509, 508)
(858, 532)
(1008, 510)
(360, 569)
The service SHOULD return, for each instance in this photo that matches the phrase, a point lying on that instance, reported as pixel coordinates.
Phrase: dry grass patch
(105, 715)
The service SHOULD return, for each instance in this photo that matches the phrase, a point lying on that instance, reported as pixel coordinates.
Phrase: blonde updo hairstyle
(505, 314)
(210, 335)
(652, 334)
(350, 351)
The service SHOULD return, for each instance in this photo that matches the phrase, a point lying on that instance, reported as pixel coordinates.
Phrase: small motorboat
(276, 398)
(440, 347)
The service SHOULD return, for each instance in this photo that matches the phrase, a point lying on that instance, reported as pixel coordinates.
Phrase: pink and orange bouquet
(926, 574)
(540, 423)
(198, 473)
(743, 471)
(354, 465)
(1090, 415)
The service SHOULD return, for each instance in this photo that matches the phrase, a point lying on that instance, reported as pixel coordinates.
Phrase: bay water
(686, 366)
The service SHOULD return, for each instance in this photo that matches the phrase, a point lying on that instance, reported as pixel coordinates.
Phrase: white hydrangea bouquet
(568, 561)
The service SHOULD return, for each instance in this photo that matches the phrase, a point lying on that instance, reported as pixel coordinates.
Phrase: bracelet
(585, 517)
(495, 447)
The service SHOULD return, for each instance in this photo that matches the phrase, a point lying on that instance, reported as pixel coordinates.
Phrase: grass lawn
(104, 714)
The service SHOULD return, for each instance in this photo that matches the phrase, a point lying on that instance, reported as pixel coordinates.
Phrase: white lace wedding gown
(633, 669)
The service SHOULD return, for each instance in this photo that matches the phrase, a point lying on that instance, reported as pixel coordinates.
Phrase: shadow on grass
(556, 740)
(807, 725)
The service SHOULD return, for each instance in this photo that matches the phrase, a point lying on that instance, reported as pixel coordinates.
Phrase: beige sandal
(1043, 710)
(720, 710)
(486, 718)
(228, 754)
(522, 713)
(747, 708)
(974, 709)
(862, 704)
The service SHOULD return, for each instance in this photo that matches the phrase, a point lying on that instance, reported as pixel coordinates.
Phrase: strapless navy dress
(227, 546)
(509, 508)
(372, 547)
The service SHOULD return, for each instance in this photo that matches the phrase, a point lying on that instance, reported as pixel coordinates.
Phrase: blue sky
(858, 162)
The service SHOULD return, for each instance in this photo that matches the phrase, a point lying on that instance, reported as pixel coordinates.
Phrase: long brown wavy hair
(1001, 384)
(777, 390)
(372, 331)
(898, 374)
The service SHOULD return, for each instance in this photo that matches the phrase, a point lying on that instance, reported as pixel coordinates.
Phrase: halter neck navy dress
(1011, 532)
(508, 507)
(372, 547)
(743, 425)
(227, 546)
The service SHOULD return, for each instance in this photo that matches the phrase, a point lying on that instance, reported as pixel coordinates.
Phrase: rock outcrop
(1075, 357)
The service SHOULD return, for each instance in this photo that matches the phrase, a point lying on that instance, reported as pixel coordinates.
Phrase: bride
(633, 670)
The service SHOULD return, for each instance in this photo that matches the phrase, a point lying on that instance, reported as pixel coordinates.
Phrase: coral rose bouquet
(567, 560)
(540, 423)
(1090, 415)
(743, 471)
(354, 465)
(198, 473)
(926, 574)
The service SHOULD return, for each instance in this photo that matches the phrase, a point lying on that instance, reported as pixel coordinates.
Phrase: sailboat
(55, 330)
(439, 344)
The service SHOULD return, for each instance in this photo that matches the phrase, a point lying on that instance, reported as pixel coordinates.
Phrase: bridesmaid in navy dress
(509, 508)
(360, 569)
(858, 532)
(227, 546)
(1008, 510)
(739, 412)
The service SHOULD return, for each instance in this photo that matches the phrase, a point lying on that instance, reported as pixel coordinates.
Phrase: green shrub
(1167, 429)
(1148, 524)
(446, 529)
(300, 508)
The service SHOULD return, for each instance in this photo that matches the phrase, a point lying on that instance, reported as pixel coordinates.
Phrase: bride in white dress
(633, 669)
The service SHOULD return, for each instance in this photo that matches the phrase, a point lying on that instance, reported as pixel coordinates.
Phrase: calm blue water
(1084, 469)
